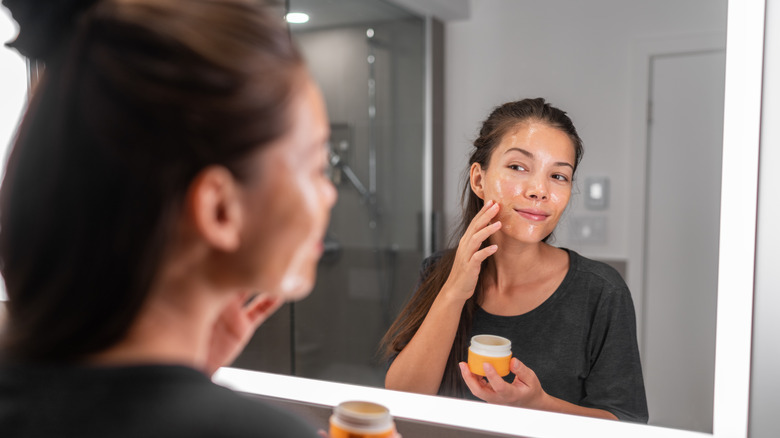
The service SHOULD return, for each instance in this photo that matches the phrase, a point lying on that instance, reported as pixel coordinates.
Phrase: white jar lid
(362, 417)
(491, 345)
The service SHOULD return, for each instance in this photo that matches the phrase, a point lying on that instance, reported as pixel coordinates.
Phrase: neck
(516, 264)
(174, 325)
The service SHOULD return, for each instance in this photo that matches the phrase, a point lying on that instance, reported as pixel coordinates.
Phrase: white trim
(741, 136)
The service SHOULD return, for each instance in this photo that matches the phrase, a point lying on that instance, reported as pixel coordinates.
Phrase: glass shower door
(368, 59)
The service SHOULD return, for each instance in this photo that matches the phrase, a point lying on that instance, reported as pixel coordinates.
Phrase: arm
(420, 366)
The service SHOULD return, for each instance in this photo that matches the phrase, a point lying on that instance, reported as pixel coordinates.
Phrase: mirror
(469, 97)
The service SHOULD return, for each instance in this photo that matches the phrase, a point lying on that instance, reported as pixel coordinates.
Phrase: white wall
(576, 54)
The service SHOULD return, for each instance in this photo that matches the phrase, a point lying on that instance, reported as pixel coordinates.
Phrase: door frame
(643, 51)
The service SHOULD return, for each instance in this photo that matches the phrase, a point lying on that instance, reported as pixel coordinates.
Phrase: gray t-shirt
(581, 342)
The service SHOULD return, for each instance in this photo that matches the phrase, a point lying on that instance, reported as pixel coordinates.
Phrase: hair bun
(44, 24)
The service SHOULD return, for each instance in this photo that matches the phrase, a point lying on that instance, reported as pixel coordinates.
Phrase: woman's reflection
(570, 319)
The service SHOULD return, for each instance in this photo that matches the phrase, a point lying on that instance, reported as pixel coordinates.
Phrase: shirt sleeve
(614, 382)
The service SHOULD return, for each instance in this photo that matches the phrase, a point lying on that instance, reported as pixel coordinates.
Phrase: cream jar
(361, 419)
(494, 350)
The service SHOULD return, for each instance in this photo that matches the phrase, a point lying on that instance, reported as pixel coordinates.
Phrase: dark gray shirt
(132, 401)
(581, 342)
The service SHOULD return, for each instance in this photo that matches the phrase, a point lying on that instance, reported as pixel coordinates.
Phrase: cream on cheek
(298, 278)
(508, 191)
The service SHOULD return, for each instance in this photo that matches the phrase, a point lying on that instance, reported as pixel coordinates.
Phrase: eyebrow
(531, 156)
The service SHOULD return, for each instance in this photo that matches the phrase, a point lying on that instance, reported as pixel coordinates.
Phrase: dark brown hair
(143, 96)
(501, 120)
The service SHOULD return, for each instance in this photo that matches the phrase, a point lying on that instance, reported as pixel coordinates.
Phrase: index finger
(484, 215)
(496, 381)
(474, 383)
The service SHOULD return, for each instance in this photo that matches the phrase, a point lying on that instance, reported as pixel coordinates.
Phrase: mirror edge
(741, 129)
(736, 265)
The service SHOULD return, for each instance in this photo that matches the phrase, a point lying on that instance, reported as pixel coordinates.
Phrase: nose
(537, 189)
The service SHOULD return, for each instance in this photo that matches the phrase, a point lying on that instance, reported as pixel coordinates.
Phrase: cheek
(502, 190)
(560, 198)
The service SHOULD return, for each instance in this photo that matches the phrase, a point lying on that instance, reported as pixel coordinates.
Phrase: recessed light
(297, 17)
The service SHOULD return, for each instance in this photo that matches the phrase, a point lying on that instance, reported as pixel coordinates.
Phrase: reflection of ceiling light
(297, 17)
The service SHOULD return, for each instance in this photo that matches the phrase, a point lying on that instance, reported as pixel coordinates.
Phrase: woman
(165, 194)
(570, 319)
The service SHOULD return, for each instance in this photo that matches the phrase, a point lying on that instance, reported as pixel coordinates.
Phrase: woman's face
(289, 202)
(530, 175)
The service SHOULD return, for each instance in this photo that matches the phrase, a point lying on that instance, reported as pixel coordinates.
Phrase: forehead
(537, 138)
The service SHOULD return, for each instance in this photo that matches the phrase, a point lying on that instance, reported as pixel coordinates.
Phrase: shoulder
(164, 400)
(207, 409)
(603, 286)
(595, 271)
(434, 260)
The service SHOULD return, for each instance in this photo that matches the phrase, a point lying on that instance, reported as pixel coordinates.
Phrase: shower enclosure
(368, 56)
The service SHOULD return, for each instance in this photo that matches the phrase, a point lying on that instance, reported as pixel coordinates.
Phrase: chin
(297, 286)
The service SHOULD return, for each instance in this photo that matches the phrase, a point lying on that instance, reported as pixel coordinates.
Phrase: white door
(681, 241)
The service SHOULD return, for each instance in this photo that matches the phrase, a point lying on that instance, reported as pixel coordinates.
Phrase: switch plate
(596, 193)
(588, 229)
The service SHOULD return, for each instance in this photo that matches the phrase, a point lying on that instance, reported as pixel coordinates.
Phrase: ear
(476, 179)
(215, 207)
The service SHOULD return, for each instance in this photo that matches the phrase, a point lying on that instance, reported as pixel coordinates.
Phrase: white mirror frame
(741, 133)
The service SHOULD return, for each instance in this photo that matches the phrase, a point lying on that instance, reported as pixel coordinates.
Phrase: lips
(533, 214)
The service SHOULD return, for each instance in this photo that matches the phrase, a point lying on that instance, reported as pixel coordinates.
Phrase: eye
(561, 177)
(517, 167)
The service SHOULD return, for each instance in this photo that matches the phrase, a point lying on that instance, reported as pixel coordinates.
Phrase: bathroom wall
(511, 49)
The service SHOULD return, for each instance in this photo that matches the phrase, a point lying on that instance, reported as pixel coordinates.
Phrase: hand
(236, 325)
(469, 257)
(525, 391)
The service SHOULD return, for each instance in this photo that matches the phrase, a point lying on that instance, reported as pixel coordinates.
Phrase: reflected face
(530, 175)
(289, 201)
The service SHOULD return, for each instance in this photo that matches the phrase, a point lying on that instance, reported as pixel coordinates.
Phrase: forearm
(419, 367)
(554, 404)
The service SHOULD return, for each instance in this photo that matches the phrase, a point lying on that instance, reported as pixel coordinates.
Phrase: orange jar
(361, 419)
(495, 350)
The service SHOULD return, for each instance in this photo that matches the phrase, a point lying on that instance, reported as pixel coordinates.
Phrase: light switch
(596, 193)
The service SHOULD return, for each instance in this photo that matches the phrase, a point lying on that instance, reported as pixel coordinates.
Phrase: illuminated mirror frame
(741, 130)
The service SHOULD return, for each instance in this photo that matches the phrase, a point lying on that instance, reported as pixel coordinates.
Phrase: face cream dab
(494, 350)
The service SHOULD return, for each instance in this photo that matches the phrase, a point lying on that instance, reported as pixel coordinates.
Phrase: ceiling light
(297, 17)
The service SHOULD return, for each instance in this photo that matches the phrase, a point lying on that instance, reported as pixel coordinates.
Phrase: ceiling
(336, 13)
